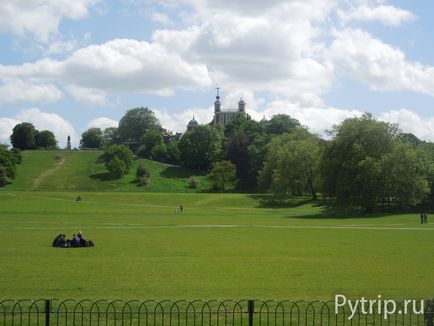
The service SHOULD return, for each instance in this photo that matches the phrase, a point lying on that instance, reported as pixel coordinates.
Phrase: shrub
(192, 182)
(4, 179)
(159, 153)
(16, 152)
(142, 181)
(121, 152)
(142, 171)
(116, 167)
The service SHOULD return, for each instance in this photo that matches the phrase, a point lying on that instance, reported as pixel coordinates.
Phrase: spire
(241, 105)
(217, 104)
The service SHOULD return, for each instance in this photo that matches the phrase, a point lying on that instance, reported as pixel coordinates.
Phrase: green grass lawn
(60, 170)
(222, 246)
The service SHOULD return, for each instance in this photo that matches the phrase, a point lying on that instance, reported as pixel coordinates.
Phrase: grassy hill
(60, 170)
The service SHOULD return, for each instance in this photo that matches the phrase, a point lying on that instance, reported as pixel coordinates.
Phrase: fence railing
(198, 313)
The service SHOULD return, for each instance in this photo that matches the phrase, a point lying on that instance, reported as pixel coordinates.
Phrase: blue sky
(69, 65)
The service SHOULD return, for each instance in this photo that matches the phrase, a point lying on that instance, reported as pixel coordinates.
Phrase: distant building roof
(193, 123)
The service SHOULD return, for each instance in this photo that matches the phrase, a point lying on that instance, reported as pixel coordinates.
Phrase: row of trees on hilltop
(363, 162)
(26, 136)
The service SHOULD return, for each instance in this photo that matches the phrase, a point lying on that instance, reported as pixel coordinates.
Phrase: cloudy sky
(70, 65)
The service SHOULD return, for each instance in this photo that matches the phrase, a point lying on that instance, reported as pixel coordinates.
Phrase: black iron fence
(202, 313)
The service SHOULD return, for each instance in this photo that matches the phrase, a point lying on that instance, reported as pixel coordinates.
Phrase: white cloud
(49, 121)
(42, 121)
(102, 123)
(385, 14)
(118, 66)
(19, 90)
(379, 65)
(177, 122)
(408, 121)
(317, 119)
(277, 51)
(6, 126)
(40, 18)
(88, 95)
(162, 19)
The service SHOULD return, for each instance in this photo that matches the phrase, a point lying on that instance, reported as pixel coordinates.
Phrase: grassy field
(60, 170)
(222, 246)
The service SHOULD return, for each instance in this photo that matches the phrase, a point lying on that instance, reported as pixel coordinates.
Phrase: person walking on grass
(421, 218)
(181, 208)
(425, 218)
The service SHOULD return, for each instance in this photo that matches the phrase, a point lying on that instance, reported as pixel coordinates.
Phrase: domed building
(221, 117)
(193, 123)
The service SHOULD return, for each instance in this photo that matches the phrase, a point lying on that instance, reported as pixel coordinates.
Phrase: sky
(66, 66)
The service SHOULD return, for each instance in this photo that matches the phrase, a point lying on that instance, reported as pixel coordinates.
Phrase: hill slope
(60, 170)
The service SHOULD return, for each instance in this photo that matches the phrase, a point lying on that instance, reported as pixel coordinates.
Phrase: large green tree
(237, 151)
(281, 124)
(292, 164)
(110, 136)
(23, 136)
(149, 140)
(45, 139)
(137, 122)
(360, 166)
(222, 174)
(201, 146)
(91, 138)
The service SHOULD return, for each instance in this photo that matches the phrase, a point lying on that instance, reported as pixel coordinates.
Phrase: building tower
(241, 105)
(217, 103)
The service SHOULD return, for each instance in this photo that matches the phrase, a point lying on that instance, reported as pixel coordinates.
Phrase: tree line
(361, 162)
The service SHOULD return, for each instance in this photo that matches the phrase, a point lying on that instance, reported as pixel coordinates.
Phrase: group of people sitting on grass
(77, 241)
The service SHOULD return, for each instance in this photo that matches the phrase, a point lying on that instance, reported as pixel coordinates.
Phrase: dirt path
(45, 174)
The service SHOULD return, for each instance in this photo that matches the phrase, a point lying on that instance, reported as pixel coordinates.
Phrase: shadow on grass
(103, 176)
(326, 209)
(275, 201)
(178, 172)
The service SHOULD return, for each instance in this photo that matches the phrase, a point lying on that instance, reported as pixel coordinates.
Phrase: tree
(292, 164)
(23, 136)
(237, 122)
(237, 151)
(149, 140)
(258, 150)
(405, 174)
(91, 138)
(361, 166)
(173, 154)
(116, 167)
(110, 136)
(159, 152)
(282, 123)
(7, 165)
(221, 174)
(45, 139)
(121, 152)
(136, 122)
(200, 147)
